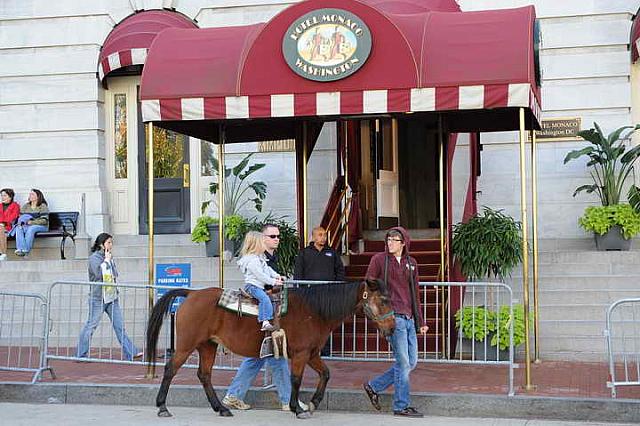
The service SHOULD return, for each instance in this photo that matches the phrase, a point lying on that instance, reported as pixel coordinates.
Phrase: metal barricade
(622, 334)
(358, 339)
(23, 329)
(68, 312)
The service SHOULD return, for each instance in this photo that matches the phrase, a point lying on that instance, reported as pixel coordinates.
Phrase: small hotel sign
(326, 44)
(559, 129)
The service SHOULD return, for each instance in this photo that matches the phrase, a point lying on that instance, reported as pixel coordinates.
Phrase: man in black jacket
(318, 262)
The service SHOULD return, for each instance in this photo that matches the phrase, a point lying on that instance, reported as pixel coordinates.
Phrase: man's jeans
(250, 368)
(265, 308)
(25, 236)
(96, 308)
(405, 351)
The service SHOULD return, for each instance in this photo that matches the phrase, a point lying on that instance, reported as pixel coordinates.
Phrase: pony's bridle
(369, 313)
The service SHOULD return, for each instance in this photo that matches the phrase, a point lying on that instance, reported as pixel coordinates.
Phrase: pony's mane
(330, 301)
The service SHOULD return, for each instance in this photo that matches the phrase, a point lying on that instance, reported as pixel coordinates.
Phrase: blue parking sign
(174, 275)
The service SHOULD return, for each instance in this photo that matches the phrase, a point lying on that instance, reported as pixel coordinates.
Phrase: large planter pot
(492, 353)
(612, 240)
(467, 348)
(212, 246)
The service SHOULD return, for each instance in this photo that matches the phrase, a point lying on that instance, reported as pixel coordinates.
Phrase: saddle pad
(235, 301)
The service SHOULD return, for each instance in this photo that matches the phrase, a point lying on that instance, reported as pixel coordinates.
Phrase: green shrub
(489, 244)
(200, 233)
(477, 322)
(600, 219)
(504, 320)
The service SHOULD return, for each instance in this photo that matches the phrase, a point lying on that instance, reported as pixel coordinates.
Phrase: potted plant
(612, 226)
(206, 231)
(610, 163)
(490, 330)
(487, 246)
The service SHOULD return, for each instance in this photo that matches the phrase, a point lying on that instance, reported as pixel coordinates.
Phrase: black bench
(61, 224)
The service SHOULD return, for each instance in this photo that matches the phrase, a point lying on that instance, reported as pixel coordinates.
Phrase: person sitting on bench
(9, 212)
(34, 218)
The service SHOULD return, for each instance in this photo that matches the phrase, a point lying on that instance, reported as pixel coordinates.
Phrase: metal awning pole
(534, 236)
(305, 202)
(221, 178)
(441, 195)
(525, 252)
(346, 185)
(150, 210)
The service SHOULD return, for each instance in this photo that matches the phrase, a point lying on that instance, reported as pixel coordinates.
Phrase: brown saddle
(243, 303)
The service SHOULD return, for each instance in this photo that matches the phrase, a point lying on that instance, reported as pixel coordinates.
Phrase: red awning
(128, 43)
(425, 56)
(635, 38)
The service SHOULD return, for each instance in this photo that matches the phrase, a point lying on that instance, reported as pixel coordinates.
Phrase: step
(585, 257)
(416, 245)
(420, 256)
(357, 343)
(560, 312)
(363, 325)
(586, 282)
(158, 239)
(593, 328)
(571, 297)
(361, 270)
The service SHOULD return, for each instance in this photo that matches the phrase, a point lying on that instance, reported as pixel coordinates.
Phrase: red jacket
(9, 215)
(400, 277)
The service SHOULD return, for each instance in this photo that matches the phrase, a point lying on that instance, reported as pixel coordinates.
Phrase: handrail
(340, 231)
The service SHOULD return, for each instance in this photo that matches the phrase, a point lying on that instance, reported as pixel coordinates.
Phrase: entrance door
(387, 188)
(172, 210)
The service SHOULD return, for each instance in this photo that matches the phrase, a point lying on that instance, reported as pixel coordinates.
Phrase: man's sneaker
(233, 402)
(305, 407)
(408, 412)
(267, 326)
(19, 253)
(138, 355)
(3, 257)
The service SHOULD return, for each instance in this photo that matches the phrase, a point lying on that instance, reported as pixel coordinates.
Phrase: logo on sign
(173, 271)
(327, 45)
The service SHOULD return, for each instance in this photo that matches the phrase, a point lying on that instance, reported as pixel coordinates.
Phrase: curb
(449, 405)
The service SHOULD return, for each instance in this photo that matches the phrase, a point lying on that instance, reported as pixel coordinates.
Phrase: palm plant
(634, 198)
(238, 190)
(610, 161)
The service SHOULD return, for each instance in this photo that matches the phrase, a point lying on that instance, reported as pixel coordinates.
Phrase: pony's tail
(158, 313)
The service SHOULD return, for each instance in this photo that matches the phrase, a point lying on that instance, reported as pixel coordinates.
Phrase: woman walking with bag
(104, 298)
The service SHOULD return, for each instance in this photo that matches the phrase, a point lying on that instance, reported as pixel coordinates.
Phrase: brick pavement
(552, 378)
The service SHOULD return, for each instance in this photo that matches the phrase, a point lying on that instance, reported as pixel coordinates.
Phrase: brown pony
(313, 311)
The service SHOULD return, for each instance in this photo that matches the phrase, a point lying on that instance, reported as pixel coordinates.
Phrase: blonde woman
(257, 274)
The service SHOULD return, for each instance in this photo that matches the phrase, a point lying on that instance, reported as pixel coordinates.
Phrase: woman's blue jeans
(25, 236)
(405, 350)
(96, 308)
(265, 308)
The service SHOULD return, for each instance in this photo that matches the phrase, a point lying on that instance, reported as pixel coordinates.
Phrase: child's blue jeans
(265, 308)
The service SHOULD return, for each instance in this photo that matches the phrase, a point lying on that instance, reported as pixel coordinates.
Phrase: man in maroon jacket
(400, 272)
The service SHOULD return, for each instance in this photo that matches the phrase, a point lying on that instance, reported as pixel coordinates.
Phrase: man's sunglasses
(273, 237)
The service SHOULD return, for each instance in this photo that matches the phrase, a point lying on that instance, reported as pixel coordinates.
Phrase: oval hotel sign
(326, 44)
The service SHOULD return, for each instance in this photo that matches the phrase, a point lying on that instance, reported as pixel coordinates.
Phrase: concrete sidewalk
(565, 390)
(82, 415)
